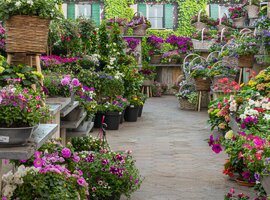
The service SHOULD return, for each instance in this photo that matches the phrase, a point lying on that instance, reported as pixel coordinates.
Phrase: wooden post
(200, 101)
(240, 76)
(63, 135)
(9, 57)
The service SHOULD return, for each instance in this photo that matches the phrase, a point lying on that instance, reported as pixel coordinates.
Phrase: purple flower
(65, 81)
(217, 148)
(257, 177)
(246, 175)
(66, 153)
(38, 163)
(105, 162)
(242, 126)
(23, 161)
(75, 82)
(211, 140)
(38, 154)
(76, 158)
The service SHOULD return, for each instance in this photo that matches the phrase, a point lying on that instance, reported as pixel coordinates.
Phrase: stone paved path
(172, 155)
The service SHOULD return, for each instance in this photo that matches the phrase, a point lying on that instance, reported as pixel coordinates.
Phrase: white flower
(229, 135)
(251, 102)
(266, 106)
(30, 2)
(258, 104)
(242, 116)
(266, 117)
(233, 106)
(8, 190)
(7, 178)
(18, 4)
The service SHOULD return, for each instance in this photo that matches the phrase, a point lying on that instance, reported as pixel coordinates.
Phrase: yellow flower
(21, 75)
(38, 74)
(243, 84)
(252, 83)
(2, 69)
(135, 98)
(229, 135)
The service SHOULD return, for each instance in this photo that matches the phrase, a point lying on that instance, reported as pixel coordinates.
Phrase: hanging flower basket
(140, 30)
(239, 22)
(200, 25)
(231, 61)
(186, 105)
(216, 78)
(202, 84)
(27, 34)
(253, 11)
(246, 61)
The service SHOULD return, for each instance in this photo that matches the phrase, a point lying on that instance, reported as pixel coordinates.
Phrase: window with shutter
(155, 14)
(142, 8)
(96, 13)
(83, 10)
(71, 10)
(214, 11)
(169, 17)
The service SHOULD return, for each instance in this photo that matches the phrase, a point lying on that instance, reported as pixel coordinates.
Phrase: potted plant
(139, 24)
(200, 73)
(225, 87)
(121, 22)
(113, 112)
(246, 48)
(132, 48)
(27, 24)
(187, 96)
(238, 15)
(172, 57)
(131, 114)
(155, 51)
(149, 75)
(22, 109)
(143, 98)
(123, 102)
(182, 44)
(156, 89)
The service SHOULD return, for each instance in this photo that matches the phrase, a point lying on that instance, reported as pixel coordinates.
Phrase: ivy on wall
(118, 8)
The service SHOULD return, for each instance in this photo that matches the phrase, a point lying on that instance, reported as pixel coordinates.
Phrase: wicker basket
(246, 61)
(200, 25)
(156, 59)
(253, 11)
(221, 27)
(186, 105)
(231, 61)
(139, 30)
(197, 44)
(239, 22)
(202, 84)
(27, 34)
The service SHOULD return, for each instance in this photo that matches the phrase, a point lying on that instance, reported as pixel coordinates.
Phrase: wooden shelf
(133, 36)
(166, 65)
(39, 137)
(68, 109)
(73, 124)
(59, 100)
(54, 108)
(80, 133)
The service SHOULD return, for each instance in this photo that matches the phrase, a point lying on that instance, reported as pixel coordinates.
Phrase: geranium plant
(21, 107)
(237, 12)
(41, 8)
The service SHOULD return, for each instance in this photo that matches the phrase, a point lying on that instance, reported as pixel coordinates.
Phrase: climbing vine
(118, 8)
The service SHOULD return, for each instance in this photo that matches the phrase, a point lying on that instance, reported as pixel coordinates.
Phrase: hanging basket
(239, 22)
(231, 61)
(246, 61)
(186, 105)
(27, 34)
(200, 25)
(202, 84)
(253, 11)
(206, 44)
(156, 59)
(140, 30)
(221, 27)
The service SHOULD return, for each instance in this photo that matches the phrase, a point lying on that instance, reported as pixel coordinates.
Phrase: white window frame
(156, 14)
(77, 9)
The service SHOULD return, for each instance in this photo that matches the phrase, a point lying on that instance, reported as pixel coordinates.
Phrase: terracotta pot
(242, 182)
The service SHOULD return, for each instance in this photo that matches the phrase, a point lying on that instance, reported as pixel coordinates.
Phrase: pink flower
(232, 191)
(66, 153)
(37, 154)
(38, 106)
(217, 148)
(75, 82)
(94, 189)
(38, 98)
(38, 163)
(65, 81)
(258, 156)
(81, 182)
(76, 159)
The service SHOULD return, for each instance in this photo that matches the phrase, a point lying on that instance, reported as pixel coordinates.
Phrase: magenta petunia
(75, 82)
(81, 182)
(38, 163)
(217, 148)
(66, 153)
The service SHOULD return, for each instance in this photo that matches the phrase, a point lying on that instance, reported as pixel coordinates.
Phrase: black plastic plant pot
(140, 111)
(98, 119)
(122, 116)
(131, 114)
(112, 119)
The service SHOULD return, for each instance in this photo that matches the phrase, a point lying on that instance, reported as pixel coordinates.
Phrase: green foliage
(118, 8)
(88, 143)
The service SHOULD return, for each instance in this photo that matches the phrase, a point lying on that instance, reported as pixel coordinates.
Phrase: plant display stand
(69, 124)
(38, 138)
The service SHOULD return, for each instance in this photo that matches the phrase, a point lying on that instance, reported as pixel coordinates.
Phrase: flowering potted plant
(132, 111)
(123, 102)
(156, 48)
(246, 49)
(27, 24)
(172, 57)
(156, 89)
(22, 109)
(139, 24)
(225, 87)
(187, 96)
(113, 113)
(121, 22)
(182, 44)
(238, 15)
(132, 48)
(218, 71)
(200, 73)
(232, 196)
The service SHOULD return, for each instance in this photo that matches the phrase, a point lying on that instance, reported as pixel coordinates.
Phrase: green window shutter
(71, 10)
(142, 8)
(168, 16)
(214, 11)
(96, 13)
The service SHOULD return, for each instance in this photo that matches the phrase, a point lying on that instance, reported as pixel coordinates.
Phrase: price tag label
(4, 139)
(132, 106)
